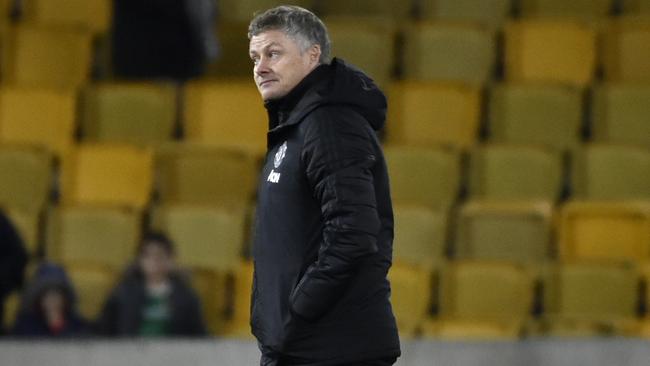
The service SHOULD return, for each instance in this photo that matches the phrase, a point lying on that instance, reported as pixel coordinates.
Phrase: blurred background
(518, 144)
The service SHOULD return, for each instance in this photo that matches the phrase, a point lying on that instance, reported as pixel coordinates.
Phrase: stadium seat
(518, 232)
(626, 49)
(636, 6)
(449, 53)
(367, 45)
(226, 113)
(420, 235)
(515, 172)
(41, 117)
(93, 235)
(206, 237)
(239, 322)
(553, 51)
(26, 177)
(621, 114)
(91, 14)
(28, 224)
(483, 300)
(135, 113)
(610, 172)
(432, 114)
(92, 284)
(212, 289)
(99, 174)
(189, 174)
(234, 60)
(58, 57)
(490, 13)
(411, 296)
(244, 10)
(436, 184)
(11, 306)
(547, 115)
(586, 299)
(392, 9)
(576, 9)
(613, 231)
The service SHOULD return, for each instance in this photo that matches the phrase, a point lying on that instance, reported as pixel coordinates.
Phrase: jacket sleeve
(338, 156)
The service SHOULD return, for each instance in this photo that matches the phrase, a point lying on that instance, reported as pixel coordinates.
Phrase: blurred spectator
(152, 299)
(48, 306)
(163, 38)
(13, 259)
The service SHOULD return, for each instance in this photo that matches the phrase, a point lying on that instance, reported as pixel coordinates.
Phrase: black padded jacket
(324, 225)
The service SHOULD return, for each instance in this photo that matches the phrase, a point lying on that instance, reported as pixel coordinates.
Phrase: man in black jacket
(324, 225)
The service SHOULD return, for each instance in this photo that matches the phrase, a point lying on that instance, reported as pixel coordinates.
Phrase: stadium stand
(388, 9)
(90, 14)
(636, 6)
(621, 113)
(577, 9)
(626, 49)
(489, 13)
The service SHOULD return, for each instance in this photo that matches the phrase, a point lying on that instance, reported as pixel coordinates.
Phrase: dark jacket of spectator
(13, 258)
(32, 321)
(122, 314)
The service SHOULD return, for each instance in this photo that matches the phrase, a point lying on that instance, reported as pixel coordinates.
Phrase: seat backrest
(25, 182)
(412, 291)
(93, 285)
(621, 113)
(91, 14)
(626, 47)
(577, 9)
(420, 235)
(490, 13)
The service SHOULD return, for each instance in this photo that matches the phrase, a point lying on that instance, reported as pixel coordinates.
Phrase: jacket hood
(336, 83)
(48, 275)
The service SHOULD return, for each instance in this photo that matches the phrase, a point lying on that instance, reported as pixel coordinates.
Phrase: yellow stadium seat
(449, 53)
(25, 182)
(515, 172)
(93, 235)
(136, 113)
(205, 175)
(93, 285)
(391, 9)
(226, 113)
(234, 60)
(117, 175)
(609, 172)
(11, 306)
(626, 49)
(586, 299)
(212, 289)
(436, 184)
(420, 235)
(519, 232)
(644, 269)
(578, 9)
(539, 114)
(490, 13)
(239, 322)
(27, 224)
(369, 46)
(244, 10)
(483, 300)
(411, 296)
(42, 56)
(206, 237)
(621, 114)
(613, 231)
(636, 6)
(40, 117)
(91, 14)
(550, 51)
(432, 114)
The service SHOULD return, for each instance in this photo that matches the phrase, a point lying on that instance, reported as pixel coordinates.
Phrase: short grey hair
(298, 23)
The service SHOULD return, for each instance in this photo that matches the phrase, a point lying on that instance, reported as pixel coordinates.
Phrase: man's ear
(314, 53)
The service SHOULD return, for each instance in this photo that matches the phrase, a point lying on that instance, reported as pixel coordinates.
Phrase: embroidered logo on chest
(274, 177)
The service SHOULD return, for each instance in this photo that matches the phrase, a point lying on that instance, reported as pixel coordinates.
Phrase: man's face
(155, 261)
(279, 63)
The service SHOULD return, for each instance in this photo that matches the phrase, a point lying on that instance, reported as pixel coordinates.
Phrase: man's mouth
(266, 82)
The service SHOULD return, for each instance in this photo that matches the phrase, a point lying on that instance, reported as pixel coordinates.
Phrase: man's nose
(261, 67)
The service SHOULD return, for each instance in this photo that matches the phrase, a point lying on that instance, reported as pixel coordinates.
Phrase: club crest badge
(279, 155)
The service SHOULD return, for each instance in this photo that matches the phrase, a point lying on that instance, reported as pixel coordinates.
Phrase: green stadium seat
(515, 172)
(610, 172)
(436, 184)
(518, 232)
(554, 51)
(626, 49)
(490, 13)
(607, 231)
(449, 53)
(587, 299)
(40, 117)
(621, 114)
(547, 115)
(430, 114)
(576, 9)
(132, 113)
(420, 235)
